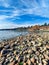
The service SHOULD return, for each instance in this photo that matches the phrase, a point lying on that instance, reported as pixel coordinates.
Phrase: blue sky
(17, 13)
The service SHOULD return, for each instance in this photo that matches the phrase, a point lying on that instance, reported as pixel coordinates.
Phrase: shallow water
(7, 34)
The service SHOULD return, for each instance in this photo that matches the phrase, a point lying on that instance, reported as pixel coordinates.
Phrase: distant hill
(45, 26)
(37, 27)
(17, 29)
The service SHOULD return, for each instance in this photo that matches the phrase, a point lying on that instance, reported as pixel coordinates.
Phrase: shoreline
(31, 49)
(29, 32)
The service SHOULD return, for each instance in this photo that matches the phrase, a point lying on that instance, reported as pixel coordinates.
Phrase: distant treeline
(25, 28)
(16, 29)
(45, 24)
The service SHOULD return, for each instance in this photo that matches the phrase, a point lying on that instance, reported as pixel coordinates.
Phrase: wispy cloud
(3, 17)
(13, 10)
(4, 3)
(33, 7)
(8, 25)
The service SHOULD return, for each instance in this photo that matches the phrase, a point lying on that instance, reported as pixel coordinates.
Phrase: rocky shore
(31, 49)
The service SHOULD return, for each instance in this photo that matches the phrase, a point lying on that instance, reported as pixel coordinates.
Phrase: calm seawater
(7, 34)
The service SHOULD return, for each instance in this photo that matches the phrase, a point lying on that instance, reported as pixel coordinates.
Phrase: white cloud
(4, 25)
(4, 3)
(15, 13)
(7, 24)
(3, 17)
(32, 7)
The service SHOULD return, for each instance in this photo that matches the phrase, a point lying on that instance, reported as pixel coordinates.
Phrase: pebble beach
(30, 49)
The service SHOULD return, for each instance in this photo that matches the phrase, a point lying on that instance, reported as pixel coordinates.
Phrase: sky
(18, 13)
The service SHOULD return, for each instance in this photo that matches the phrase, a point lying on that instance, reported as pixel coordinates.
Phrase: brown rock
(24, 64)
(32, 60)
(40, 64)
(0, 54)
(12, 63)
(45, 63)
(28, 61)
(47, 46)
(46, 56)
(17, 64)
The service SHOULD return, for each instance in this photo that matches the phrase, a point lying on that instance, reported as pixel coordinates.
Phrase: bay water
(7, 34)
